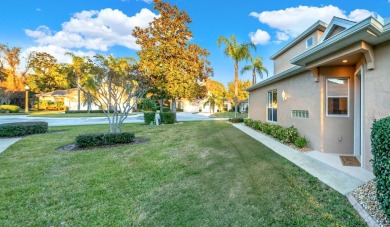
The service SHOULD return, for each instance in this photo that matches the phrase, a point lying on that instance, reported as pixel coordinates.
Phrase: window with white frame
(337, 96)
(309, 42)
(272, 108)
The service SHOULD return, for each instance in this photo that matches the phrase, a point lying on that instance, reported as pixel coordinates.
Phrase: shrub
(179, 110)
(301, 142)
(10, 108)
(167, 117)
(165, 109)
(22, 128)
(147, 104)
(248, 122)
(290, 135)
(149, 116)
(380, 142)
(102, 139)
(236, 120)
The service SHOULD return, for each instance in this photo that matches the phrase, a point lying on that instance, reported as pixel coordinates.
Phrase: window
(299, 113)
(309, 42)
(272, 106)
(337, 96)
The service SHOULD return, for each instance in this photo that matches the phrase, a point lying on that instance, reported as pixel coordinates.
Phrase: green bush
(179, 110)
(290, 135)
(10, 108)
(236, 120)
(147, 104)
(22, 128)
(380, 142)
(102, 139)
(248, 122)
(167, 117)
(149, 116)
(301, 142)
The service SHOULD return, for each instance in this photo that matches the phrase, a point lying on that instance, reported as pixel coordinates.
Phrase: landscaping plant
(22, 128)
(380, 142)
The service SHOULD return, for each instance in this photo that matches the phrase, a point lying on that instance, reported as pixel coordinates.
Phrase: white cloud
(94, 30)
(293, 21)
(260, 37)
(282, 36)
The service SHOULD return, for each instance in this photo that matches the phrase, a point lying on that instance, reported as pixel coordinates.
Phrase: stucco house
(330, 82)
(68, 97)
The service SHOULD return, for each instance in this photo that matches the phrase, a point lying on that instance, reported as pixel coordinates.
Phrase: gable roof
(369, 30)
(319, 25)
(336, 22)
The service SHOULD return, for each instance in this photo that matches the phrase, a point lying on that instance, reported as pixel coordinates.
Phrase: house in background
(67, 97)
(197, 105)
(330, 82)
(243, 106)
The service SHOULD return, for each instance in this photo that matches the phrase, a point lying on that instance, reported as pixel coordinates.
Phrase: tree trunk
(253, 77)
(161, 104)
(235, 88)
(174, 108)
(78, 93)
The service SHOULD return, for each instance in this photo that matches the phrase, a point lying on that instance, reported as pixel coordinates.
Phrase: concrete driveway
(139, 118)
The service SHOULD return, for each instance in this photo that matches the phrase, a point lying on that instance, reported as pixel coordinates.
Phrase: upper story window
(272, 108)
(309, 42)
(337, 97)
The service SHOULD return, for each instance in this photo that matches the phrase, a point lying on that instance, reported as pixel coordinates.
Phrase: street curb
(361, 211)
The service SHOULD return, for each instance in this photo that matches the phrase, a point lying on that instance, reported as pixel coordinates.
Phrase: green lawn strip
(228, 115)
(55, 114)
(195, 173)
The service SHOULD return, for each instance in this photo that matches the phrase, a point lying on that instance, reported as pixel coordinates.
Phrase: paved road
(139, 118)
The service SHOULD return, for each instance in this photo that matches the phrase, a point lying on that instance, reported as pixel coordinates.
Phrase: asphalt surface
(139, 118)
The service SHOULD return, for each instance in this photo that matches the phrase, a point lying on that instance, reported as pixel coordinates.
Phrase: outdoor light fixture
(26, 104)
(284, 96)
(345, 61)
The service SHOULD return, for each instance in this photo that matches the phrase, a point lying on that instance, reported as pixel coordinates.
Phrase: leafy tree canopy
(242, 94)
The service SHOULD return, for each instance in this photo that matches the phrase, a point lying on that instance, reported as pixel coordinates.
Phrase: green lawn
(228, 115)
(189, 174)
(61, 114)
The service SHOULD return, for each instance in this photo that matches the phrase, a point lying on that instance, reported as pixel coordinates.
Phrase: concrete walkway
(6, 142)
(335, 178)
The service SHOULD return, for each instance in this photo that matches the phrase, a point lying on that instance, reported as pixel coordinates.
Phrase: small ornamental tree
(118, 84)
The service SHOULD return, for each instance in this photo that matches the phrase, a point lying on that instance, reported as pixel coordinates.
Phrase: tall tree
(176, 67)
(238, 52)
(216, 92)
(47, 74)
(118, 84)
(256, 66)
(242, 94)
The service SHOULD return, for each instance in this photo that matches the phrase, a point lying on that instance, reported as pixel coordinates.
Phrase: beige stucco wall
(282, 62)
(304, 94)
(376, 95)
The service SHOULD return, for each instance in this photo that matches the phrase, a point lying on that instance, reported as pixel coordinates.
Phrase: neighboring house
(330, 82)
(68, 97)
(198, 105)
(243, 106)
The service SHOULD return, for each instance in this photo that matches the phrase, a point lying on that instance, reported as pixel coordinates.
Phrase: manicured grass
(189, 174)
(61, 114)
(229, 115)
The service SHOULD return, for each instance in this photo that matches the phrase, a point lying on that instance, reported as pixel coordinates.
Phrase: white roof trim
(336, 22)
(319, 25)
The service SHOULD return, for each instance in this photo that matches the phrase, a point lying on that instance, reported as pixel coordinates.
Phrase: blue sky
(87, 27)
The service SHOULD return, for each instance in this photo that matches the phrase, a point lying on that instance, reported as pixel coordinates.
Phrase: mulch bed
(74, 147)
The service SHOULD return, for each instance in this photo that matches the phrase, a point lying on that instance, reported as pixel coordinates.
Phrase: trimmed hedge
(10, 108)
(285, 135)
(380, 142)
(103, 139)
(236, 120)
(167, 117)
(22, 128)
(149, 116)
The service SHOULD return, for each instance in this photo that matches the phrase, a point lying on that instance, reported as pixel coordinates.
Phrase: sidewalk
(337, 179)
(6, 142)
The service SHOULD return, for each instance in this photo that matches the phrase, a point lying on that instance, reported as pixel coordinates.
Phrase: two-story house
(330, 82)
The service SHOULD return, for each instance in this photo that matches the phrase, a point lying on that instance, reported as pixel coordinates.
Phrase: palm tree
(256, 67)
(238, 52)
(214, 101)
